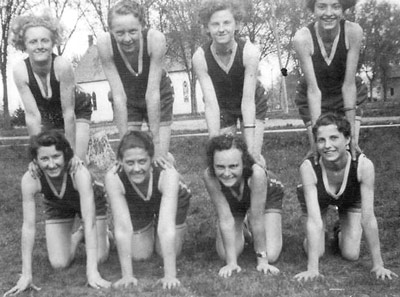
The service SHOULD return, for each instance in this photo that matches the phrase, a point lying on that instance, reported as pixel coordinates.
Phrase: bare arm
(366, 176)
(169, 187)
(117, 89)
(250, 60)
(314, 224)
(226, 224)
(354, 35)
(212, 111)
(123, 230)
(157, 50)
(83, 184)
(29, 187)
(32, 115)
(65, 75)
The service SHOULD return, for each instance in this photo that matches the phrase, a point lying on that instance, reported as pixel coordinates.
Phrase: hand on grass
(267, 268)
(96, 281)
(23, 284)
(169, 282)
(227, 270)
(308, 275)
(381, 273)
(125, 282)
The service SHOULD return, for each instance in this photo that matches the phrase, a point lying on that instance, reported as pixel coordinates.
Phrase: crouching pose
(145, 198)
(237, 187)
(348, 184)
(64, 196)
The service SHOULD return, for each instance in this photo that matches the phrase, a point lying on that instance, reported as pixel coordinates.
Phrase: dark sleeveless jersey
(135, 86)
(228, 86)
(239, 208)
(70, 200)
(50, 109)
(143, 212)
(351, 193)
(330, 78)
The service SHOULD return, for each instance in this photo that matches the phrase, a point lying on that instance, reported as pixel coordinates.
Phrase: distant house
(89, 74)
(393, 83)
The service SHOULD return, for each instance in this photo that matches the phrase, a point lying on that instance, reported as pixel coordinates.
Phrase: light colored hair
(44, 19)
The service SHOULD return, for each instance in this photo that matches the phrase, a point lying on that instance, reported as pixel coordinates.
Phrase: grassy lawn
(198, 265)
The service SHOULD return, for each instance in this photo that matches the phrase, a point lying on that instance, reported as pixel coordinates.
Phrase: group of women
(148, 201)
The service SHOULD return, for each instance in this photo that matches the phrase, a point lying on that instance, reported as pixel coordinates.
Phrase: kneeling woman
(145, 198)
(237, 187)
(64, 196)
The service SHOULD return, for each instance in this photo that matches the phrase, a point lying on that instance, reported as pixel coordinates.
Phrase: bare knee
(142, 255)
(350, 255)
(59, 263)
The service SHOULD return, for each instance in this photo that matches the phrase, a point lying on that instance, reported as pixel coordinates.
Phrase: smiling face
(222, 27)
(136, 163)
(331, 144)
(126, 30)
(50, 161)
(38, 44)
(328, 13)
(228, 166)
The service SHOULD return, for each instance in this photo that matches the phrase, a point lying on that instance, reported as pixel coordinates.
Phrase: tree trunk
(6, 112)
(193, 97)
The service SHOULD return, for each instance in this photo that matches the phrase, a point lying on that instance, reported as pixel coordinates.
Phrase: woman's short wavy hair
(135, 139)
(44, 19)
(225, 142)
(209, 7)
(346, 4)
(49, 138)
(125, 7)
(341, 123)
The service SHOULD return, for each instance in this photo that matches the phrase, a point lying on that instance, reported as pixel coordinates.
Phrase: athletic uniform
(274, 196)
(330, 78)
(347, 199)
(143, 213)
(135, 87)
(229, 87)
(50, 109)
(65, 208)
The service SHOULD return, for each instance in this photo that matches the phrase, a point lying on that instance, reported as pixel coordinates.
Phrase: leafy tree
(380, 22)
(8, 10)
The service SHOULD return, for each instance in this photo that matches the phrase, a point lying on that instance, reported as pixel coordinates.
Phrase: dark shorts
(229, 117)
(64, 211)
(181, 212)
(138, 114)
(83, 105)
(354, 205)
(275, 194)
(331, 103)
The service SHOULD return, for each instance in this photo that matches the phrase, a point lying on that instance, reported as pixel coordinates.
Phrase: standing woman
(238, 186)
(46, 82)
(227, 68)
(65, 195)
(328, 50)
(132, 57)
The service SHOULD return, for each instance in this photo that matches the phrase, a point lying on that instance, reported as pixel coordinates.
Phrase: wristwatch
(261, 254)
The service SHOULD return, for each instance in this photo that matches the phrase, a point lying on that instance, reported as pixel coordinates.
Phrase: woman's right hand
(23, 284)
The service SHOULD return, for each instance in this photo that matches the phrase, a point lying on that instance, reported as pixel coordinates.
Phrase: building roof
(89, 68)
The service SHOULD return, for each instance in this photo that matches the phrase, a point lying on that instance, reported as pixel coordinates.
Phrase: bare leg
(273, 229)
(143, 243)
(350, 235)
(82, 140)
(103, 242)
(179, 238)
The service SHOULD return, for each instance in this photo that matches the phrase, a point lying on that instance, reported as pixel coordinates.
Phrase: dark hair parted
(346, 4)
(125, 7)
(24, 22)
(209, 7)
(135, 139)
(225, 142)
(341, 123)
(49, 138)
